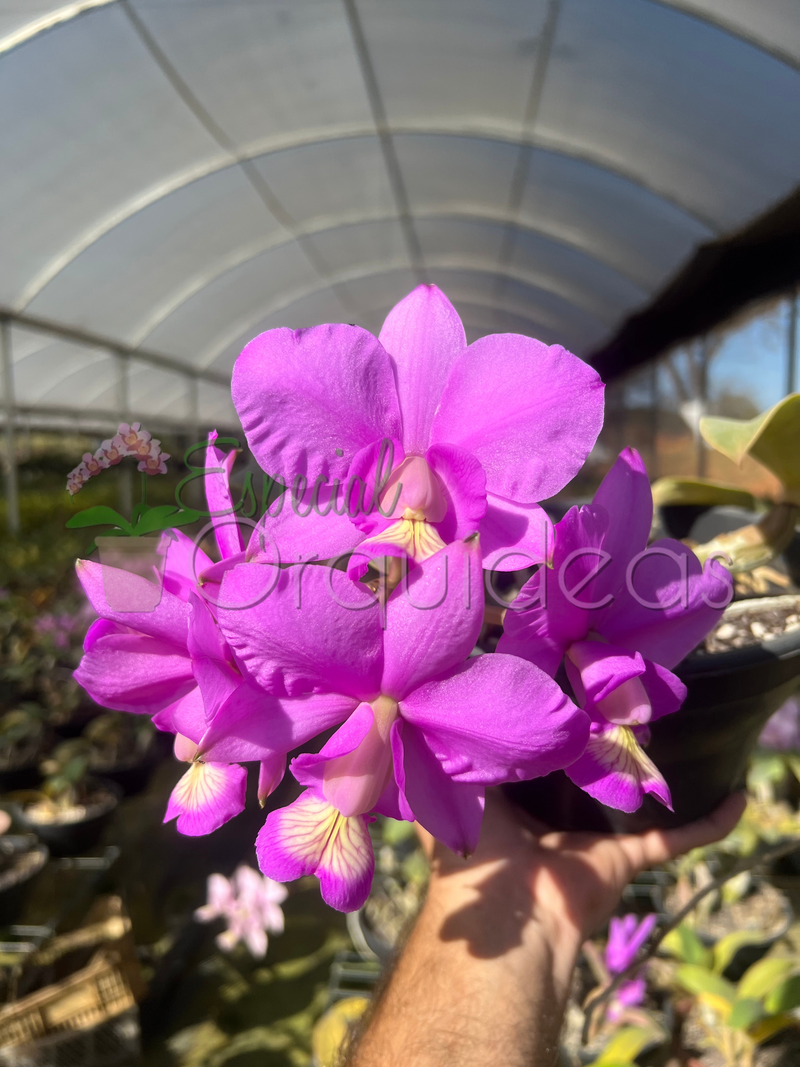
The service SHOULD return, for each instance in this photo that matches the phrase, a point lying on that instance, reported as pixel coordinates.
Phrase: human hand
(568, 884)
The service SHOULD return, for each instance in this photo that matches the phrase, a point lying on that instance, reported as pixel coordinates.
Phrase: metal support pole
(193, 386)
(12, 484)
(125, 491)
(791, 354)
(702, 396)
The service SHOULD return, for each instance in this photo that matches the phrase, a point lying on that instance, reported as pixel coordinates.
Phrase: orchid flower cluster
(129, 440)
(412, 464)
(249, 903)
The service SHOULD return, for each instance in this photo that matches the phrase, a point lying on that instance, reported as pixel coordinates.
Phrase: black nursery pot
(74, 838)
(702, 750)
(15, 881)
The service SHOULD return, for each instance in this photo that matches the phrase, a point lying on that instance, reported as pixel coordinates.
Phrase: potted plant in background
(71, 809)
(121, 749)
(128, 546)
(23, 734)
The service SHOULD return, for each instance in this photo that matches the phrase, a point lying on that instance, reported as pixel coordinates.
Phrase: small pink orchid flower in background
(154, 463)
(133, 437)
(425, 727)
(625, 937)
(77, 478)
(94, 463)
(632, 616)
(250, 905)
(402, 444)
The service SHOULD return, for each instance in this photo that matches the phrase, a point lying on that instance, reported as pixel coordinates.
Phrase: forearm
(480, 981)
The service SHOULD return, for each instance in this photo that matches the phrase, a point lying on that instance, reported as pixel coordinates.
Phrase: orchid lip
(627, 705)
(420, 493)
(353, 783)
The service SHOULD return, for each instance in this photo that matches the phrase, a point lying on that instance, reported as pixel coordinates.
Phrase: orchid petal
(186, 716)
(514, 536)
(211, 658)
(206, 797)
(607, 682)
(352, 768)
(667, 616)
(615, 770)
(451, 811)
(296, 532)
(557, 617)
(128, 671)
(545, 414)
(255, 725)
(625, 495)
(218, 496)
(463, 483)
(303, 394)
(312, 630)
(433, 618)
(185, 561)
(497, 719)
(665, 691)
(370, 471)
(424, 336)
(169, 621)
(311, 837)
(270, 775)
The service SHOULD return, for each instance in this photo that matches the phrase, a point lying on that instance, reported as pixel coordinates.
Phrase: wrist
(496, 909)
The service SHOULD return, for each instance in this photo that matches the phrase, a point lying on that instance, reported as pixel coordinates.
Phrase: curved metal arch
(104, 356)
(67, 13)
(690, 11)
(273, 145)
(210, 354)
(331, 225)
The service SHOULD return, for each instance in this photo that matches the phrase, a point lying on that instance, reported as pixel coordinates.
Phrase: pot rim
(786, 646)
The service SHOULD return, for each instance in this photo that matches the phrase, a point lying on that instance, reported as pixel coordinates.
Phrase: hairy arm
(485, 974)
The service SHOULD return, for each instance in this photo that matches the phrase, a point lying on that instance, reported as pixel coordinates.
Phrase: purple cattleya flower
(625, 937)
(173, 663)
(424, 728)
(311, 836)
(618, 618)
(782, 730)
(251, 906)
(399, 445)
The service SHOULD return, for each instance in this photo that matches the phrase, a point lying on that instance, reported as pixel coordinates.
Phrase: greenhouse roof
(178, 175)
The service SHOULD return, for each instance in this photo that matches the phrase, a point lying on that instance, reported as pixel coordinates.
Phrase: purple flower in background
(618, 624)
(249, 903)
(399, 445)
(424, 728)
(782, 730)
(625, 937)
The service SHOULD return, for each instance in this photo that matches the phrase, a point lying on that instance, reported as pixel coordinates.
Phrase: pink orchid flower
(132, 437)
(425, 728)
(625, 937)
(618, 618)
(251, 906)
(173, 663)
(77, 478)
(401, 444)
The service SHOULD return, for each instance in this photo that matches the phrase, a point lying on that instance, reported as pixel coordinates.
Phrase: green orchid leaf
(784, 997)
(671, 491)
(184, 517)
(696, 979)
(727, 947)
(772, 438)
(764, 976)
(745, 1012)
(100, 515)
(626, 1044)
(155, 518)
(684, 944)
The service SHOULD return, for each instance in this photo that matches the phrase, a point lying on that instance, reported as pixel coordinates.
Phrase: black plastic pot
(15, 882)
(132, 777)
(74, 838)
(702, 750)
